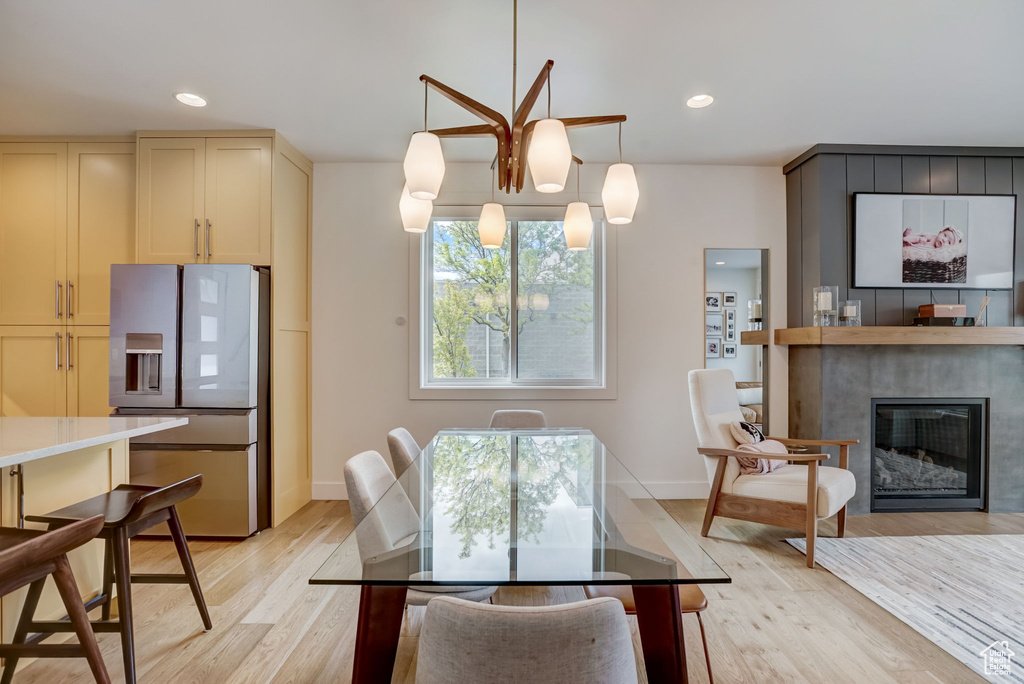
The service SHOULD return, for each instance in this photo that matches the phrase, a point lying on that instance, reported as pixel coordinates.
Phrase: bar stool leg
(68, 589)
(123, 581)
(181, 545)
(108, 577)
(28, 611)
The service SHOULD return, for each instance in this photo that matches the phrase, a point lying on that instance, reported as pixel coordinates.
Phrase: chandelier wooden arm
(518, 151)
(480, 131)
(496, 121)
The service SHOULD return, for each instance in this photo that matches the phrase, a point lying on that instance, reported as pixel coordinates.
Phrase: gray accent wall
(819, 192)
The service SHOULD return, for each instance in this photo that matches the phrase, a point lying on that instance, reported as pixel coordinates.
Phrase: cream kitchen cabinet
(66, 214)
(204, 200)
(53, 370)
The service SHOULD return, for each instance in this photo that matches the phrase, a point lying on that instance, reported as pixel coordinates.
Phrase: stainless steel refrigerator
(194, 340)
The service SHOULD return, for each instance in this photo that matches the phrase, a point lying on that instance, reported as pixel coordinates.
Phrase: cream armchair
(797, 495)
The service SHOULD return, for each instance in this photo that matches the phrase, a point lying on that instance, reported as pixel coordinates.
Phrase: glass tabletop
(517, 507)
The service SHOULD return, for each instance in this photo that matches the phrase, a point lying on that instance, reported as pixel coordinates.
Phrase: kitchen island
(48, 463)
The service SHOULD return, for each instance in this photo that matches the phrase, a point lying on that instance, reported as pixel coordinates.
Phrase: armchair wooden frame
(771, 511)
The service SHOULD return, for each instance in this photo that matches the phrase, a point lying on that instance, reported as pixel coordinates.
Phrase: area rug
(965, 593)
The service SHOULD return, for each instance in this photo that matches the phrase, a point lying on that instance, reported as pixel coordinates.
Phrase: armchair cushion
(745, 433)
(762, 466)
(789, 483)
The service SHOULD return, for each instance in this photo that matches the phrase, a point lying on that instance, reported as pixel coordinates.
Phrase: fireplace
(928, 454)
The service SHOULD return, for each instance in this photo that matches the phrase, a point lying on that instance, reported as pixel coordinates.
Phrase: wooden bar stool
(691, 600)
(130, 510)
(27, 557)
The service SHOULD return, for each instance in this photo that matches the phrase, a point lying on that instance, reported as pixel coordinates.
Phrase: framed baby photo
(933, 241)
(728, 299)
(712, 302)
(729, 350)
(713, 326)
(713, 347)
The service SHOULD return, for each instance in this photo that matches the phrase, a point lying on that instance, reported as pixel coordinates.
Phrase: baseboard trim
(329, 491)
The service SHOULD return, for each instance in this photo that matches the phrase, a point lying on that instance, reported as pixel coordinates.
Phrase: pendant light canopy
(549, 156)
(415, 212)
(424, 166)
(492, 226)
(620, 193)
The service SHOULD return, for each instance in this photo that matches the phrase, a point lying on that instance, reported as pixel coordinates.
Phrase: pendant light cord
(494, 179)
(620, 142)
(515, 48)
(549, 93)
(579, 167)
(425, 106)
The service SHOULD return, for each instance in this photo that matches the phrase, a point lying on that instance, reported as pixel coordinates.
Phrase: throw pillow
(745, 433)
(762, 466)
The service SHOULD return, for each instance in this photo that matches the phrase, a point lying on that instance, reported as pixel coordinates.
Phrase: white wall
(361, 286)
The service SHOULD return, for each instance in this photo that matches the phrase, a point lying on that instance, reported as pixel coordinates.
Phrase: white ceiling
(339, 77)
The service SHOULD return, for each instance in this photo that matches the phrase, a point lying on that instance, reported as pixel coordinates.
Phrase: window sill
(545, 393)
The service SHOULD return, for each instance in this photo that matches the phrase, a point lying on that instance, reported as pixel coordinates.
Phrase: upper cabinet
(33, 227)
(101, 226)
(205, 200)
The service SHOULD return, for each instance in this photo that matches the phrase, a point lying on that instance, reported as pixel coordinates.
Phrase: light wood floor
(778, 621)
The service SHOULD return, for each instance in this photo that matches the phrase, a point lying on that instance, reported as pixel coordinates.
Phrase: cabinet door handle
(208, 226)
(71, 339)
(57, 338)
(195, 239)
(56, 299)
(71, 291)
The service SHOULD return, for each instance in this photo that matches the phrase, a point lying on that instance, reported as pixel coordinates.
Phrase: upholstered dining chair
(404, 449)
(518, 419)
(587, 642)
(797, 495)
(369, 480)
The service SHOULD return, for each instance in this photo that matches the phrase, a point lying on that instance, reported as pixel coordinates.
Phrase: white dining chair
(797, 495)
(391, 521)
(404, 449)
(518, 419)
(587, 642)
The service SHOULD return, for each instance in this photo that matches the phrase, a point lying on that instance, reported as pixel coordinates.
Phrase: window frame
(421, 336)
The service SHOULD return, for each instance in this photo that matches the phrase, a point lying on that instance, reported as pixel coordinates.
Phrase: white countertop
(29, 439)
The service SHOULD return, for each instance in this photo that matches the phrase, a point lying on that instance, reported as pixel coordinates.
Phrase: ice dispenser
(143, 356)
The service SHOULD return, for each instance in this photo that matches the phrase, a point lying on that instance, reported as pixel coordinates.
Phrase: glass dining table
(483, 507)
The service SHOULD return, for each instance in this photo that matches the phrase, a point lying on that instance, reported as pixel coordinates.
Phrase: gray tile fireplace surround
(831, 388)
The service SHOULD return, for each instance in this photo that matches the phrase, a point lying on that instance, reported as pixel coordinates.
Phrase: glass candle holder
(825, 304)
(754, 321)
(849, 313)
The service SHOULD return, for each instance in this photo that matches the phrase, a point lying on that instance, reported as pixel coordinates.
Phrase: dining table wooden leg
(377, 631)
(660, 620)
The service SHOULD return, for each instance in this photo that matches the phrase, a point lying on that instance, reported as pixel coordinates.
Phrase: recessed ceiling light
(698, 101)
(190, 99)
(719, 263)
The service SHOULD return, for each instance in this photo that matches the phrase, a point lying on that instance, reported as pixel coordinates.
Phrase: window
(529, 314)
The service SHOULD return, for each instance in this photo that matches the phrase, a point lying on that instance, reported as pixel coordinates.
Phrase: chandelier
(540, 144)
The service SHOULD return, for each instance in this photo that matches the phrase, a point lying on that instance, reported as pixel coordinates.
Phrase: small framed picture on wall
(713, 302)
(713, 347)
(729, 350)
(729, 299)
(713, 325)
(730, 325)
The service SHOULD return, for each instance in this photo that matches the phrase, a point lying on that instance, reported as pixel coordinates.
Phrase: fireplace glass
(928, 454)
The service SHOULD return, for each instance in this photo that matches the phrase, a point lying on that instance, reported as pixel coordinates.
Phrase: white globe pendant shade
(549, 156)
(415, 212)
(578, 226)
(492, 225)
(620, 193)
(424, 166)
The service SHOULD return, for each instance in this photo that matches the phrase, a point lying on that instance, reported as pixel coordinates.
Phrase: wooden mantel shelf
(905, 335)
(755, 337)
